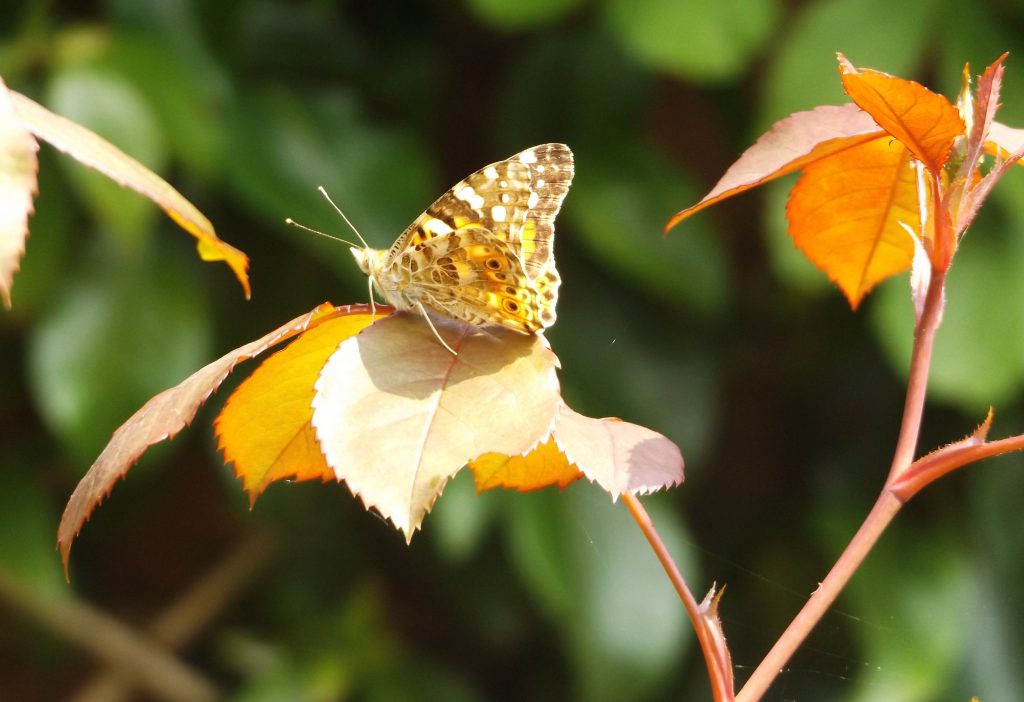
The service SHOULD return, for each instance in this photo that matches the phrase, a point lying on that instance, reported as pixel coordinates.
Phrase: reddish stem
(886, 507)
(721, 686)
(917, 383)
(927, 470)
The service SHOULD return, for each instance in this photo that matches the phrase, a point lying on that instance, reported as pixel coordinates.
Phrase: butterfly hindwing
(472, 276)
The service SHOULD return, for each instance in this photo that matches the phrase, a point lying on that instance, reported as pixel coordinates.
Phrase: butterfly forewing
(502, 215)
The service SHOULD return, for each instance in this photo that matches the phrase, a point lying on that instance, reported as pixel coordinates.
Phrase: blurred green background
(786, 404)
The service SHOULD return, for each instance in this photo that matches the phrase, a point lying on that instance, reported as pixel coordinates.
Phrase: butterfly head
(370, 261)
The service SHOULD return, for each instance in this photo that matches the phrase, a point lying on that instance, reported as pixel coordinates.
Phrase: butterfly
(483, 253)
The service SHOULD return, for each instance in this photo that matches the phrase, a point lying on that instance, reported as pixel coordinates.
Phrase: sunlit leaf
(619, 456)
(924, 121)
(543, 466)
(791, 144)
(18, 168)
(847, 213)
(91, 150)
(983, 109)
(1003, 140)
(397, 414)
(163, 417)
(264, 428)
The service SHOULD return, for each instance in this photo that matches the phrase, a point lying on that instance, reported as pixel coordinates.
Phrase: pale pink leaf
(18, 169)
(397, 415)
(89, 149)
(619, 456)
(164, 416)
(1004, 140)
(789, 145)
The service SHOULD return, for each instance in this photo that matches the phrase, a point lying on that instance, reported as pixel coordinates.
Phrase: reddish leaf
(163, 417)
(542, 467)
(985, 104)
(397, 415)
(619, 456)
(845, 214)
(791, 144)
(265, 427)
(88, 148)
(925, 122)
(18, 168)
(708, 609)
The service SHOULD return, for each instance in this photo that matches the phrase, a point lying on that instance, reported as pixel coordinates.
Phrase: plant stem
(721, 686)
(917, 383)
(886, 507)
(821, 599)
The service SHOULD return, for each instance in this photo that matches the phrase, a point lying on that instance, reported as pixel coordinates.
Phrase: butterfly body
(483, 253)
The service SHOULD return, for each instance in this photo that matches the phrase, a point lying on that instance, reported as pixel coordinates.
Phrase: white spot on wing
(469, 196)
(528, 157)
(491, 172)
(498, 213)
(532, 201)
(436, 227)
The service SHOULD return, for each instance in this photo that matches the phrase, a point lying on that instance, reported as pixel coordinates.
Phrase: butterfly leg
(373, 305)
(423, 311)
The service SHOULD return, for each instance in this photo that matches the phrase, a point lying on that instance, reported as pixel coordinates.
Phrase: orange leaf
(543, 466)
(619, 456)
(88, 148)
(397, 415)
(17, 187)
(790, 144)
(264, 428)
(845, 214)
(164, 416)
(925, 122)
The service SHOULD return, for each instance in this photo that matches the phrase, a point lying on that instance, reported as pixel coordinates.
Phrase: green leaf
(978, 359)
(122, 332)
(558, 70)
(459, 521)
(591, 568)
(693, 40)
(618, 206)
(284, 147)
(919, 585)
(522, 13)
(803, 73)
(108, 105)
(26, 539)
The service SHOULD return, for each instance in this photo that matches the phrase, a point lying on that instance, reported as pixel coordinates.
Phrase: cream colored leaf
(18, 168)
(164, 416)
(397, 415)
(619, 456)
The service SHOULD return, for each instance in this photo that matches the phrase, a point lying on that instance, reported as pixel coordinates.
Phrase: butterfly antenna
(338, 210)
(293, 223)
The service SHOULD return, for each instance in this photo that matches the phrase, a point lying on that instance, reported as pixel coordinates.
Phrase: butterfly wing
(516, 200)
(472, 276)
